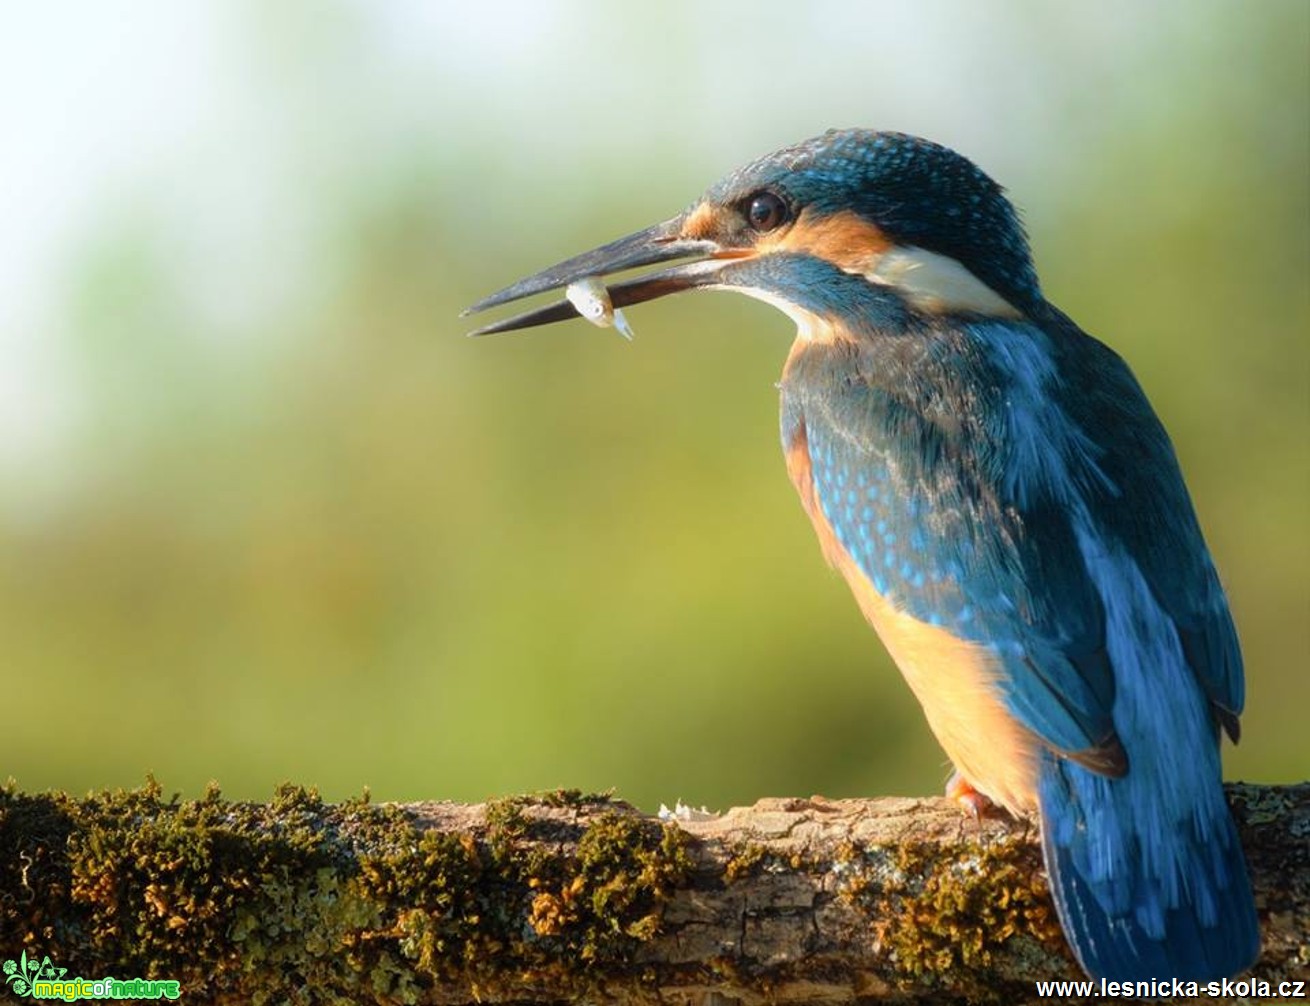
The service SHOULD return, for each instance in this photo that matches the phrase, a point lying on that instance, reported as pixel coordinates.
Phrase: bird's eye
(766, 211)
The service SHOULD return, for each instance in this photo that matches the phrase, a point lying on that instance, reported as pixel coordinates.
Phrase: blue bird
(1009, 513)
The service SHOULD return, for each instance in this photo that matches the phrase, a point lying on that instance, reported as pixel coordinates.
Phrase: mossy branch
(562, 897)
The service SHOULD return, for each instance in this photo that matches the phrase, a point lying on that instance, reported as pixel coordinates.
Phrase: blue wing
(1154, 520)
(968, 471)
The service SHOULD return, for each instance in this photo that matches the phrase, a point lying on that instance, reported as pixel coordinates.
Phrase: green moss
(626, 868)
(946, 919)
(169, 888)
(572, 798)
(504, 908)
(353, 901)
(746, 859)
(1262, 807)
(752, 858)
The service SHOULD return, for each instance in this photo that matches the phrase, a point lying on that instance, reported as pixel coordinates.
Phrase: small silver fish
(593, 302)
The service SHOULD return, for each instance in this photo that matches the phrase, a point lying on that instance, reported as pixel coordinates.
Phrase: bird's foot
(977, 805)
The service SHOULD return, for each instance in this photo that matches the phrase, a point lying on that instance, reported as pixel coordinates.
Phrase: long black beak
(660, 243)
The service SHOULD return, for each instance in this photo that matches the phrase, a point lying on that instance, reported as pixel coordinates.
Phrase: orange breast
(954, 680)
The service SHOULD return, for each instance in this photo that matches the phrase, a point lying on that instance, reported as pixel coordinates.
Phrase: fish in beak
(664, 242)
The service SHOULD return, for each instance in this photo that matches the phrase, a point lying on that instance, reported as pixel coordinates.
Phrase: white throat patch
(809, 326)
(938, 284)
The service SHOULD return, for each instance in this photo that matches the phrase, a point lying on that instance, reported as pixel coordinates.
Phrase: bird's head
(915, 221)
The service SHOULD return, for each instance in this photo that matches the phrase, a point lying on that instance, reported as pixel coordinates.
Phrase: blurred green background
(266, 514)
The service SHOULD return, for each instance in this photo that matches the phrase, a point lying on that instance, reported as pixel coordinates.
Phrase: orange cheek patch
(845, 239)
(702, 222)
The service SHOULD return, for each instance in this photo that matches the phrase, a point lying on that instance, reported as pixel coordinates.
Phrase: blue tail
(1147, 873)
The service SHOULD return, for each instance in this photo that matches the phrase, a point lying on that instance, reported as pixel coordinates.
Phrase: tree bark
(562, 897)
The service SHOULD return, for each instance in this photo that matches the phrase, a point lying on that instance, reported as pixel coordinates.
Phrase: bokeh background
(266, 514)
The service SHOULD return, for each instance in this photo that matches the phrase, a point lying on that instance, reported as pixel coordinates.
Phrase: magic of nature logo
(40, 978)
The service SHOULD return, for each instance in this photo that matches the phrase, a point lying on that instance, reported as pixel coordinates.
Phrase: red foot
(973, 803)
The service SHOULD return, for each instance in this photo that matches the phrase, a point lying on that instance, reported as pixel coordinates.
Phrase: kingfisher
(1008, 511)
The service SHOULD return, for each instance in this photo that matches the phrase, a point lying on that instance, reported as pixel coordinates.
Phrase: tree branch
(561, 896)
